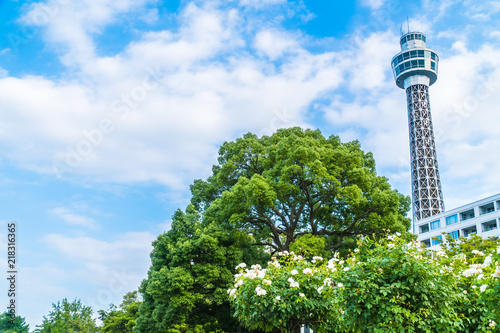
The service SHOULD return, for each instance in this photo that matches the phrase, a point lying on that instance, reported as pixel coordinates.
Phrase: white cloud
(260, 3)
(273, 43)
(74, 219)
(205, 88)
(373, 4)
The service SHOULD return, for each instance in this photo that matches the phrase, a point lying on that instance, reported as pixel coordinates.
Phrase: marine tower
(415, 70)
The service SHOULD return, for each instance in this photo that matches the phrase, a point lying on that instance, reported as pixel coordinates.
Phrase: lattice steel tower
(415, 69)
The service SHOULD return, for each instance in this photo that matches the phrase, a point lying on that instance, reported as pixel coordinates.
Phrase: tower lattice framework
(415, 69)
(426, 185)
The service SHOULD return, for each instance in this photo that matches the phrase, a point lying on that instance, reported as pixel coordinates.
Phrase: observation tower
(415, 70)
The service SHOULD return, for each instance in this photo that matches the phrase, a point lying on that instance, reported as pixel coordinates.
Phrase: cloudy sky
(110, 108)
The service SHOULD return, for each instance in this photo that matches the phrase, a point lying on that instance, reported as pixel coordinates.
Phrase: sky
(109, 109)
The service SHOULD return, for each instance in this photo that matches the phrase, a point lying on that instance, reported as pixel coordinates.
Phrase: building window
(454, 234)
(467, 215)
(490, 225)
(485, 209)
(451, 219)
(437, 240)
(426, 242)
(435, 225)
(469, 231)
(424, 228)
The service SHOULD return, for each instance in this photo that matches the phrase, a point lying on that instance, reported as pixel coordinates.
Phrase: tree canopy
(297, 182)
(192, 267)
(67, 317)
(7, 325)
(123, 319)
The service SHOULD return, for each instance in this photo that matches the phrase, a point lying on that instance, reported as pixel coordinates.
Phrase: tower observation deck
(415, 69)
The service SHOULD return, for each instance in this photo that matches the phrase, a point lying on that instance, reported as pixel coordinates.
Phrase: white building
(481, 217)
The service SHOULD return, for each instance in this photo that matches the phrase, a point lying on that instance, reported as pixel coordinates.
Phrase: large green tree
(67, 317)
(297, 182)
(7, 325)
(192, 268)
(122, 319)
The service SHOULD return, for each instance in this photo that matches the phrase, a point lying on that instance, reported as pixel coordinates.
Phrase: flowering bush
(384, 285)
(290, 292)
(477, 274)
(394, 286)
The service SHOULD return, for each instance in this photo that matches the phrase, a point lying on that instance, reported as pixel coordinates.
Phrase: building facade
(481, 217)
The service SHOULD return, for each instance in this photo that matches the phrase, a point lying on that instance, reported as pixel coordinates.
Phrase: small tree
(192, 267)
(67, 317)
(123, 319)
(7, 325)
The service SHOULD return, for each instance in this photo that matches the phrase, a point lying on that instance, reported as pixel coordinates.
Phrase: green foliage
(7, 325)
(297, 182)
(123, 319)
(386, 284)
(68, 317)
(289, 293)
(309, 246)
(394, 286)
(192, 267)
(475, 262)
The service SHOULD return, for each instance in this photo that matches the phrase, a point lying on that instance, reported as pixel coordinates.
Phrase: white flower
(398, 233)
(256, 266)
(294, 272)
(356, 250)
(239, 283)
(474, 287)
(320, 289)
(242, 265)
(340, 285)
(492, 323)
(483, 287)
(487, 261)
(480, 276)
(479, 253)
(341, 262)
(302, 295)
(275, 264)
(498, 250)
(327, 281)
(278, 298)
(251, 275)
(391, 237)
(307, 271)
(260, 291)
(317, 258)
(232, 293)
(268, 282)
(465, 292)
(262, 273)
(293, 284)
(391, 246)
(346, 269)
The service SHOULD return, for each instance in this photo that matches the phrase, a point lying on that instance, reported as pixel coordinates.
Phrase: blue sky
(110, 108)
